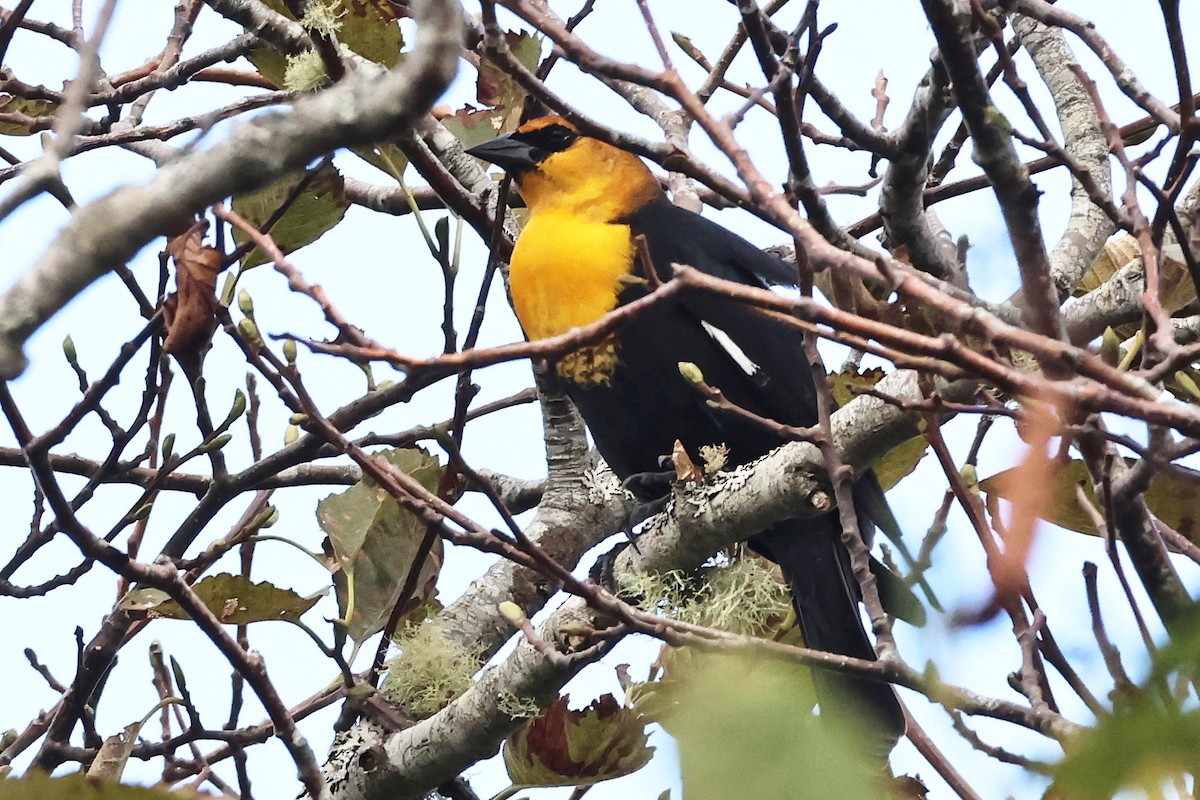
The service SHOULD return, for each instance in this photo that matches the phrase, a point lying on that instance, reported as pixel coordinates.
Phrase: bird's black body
(576, 260)
(636, 418)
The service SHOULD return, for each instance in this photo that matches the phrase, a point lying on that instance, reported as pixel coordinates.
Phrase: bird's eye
(559, 138)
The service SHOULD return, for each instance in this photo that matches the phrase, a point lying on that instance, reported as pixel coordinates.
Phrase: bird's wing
(783, 376)
(707, 246)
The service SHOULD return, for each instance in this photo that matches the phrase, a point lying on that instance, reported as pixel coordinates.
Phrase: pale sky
(378, 274)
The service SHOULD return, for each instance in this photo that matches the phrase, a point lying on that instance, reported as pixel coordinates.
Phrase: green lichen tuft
(323, 18)
(430, 671)
(715, 457)
(517, 707)
(742, 594)
(305, 72)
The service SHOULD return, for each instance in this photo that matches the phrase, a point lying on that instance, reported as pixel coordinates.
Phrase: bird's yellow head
(559, 168)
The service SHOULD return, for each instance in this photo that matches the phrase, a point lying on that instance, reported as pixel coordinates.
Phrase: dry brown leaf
(686, 470)
(110, 761)
(577, 748)
(190, 313)
(1036, 477)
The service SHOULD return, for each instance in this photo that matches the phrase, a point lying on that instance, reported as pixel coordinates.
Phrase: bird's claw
(652, 483)
(602, 571)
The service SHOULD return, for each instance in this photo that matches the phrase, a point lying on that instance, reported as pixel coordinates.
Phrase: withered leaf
(574, 748)
(842, 383)
(113, 755)
(36, 785)
(190, 313)
(503, 97)
(1176, 289)
(686, 470)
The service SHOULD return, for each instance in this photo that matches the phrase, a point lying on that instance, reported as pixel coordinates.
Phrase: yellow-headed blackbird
(577, 259)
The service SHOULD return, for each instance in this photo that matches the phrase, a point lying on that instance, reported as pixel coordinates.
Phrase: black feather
(636, 418)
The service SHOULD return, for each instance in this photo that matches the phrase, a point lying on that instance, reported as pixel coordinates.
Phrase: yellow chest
(566, 272)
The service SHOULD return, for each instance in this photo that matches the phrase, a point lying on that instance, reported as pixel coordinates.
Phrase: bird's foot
(652, 483)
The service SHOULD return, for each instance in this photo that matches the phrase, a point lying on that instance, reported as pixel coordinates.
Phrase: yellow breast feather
(566, 271)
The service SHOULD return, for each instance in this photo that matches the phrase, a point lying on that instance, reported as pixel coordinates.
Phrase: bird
(576, 259)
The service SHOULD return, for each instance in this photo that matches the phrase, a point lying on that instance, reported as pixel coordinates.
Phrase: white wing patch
(729, 346)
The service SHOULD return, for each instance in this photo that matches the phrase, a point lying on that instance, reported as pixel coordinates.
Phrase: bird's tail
(825, 594)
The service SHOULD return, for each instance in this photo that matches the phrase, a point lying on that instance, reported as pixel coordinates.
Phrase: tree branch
(367, 106)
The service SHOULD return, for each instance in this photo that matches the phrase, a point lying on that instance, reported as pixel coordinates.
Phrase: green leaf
(315, 208)
(499, 92)
(736, 710)
(902, 459)
(374, 543)
(385, 157)
(33, 109)
(577, 748)
(842, 383)
(669, 685)
(1110, 347)
(441, 232)
(180, 680)
(1172, 499)
(1148, 740)
(235, 600)
(142, 601)
(1142, 748)
(370, 30)
(897, 596)
(497, 88)
(270, 63)
(1182, 651)
(475, 126)
(1185, 385)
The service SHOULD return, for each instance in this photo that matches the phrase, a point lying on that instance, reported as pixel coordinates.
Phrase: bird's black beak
(511, 155)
